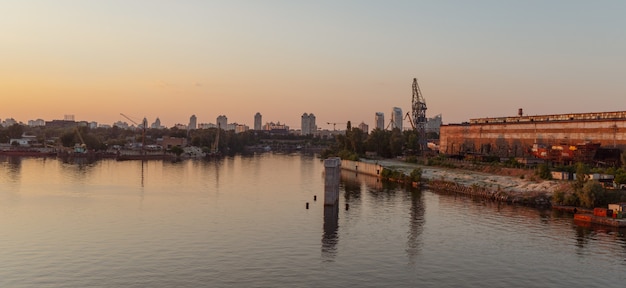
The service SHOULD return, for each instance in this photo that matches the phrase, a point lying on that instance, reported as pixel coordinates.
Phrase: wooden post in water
(332, 172)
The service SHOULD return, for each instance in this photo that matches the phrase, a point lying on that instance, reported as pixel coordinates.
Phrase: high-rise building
(380, 120)
(308, 126)
(222, 122)
(192, 122)
(396, 118)
(257, 121)
(364, 127)
(156, 124)
(433, 124)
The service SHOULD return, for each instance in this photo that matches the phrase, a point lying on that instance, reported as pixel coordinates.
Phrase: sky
(341, 60)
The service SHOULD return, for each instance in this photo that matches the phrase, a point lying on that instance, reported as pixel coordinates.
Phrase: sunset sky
(341, 60)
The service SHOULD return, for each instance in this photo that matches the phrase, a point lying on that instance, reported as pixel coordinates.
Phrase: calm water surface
(242, 222)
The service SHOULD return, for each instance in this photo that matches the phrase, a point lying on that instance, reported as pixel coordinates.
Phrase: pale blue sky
(341, 60)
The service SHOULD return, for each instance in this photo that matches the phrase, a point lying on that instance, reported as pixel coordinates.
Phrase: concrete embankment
(368, 168)
(493, 187)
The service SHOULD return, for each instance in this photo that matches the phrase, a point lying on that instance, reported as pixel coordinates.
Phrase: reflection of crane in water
(143, 125)
(215, 151)
(416, 226)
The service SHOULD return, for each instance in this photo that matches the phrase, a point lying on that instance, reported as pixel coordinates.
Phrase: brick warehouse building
(515, 136)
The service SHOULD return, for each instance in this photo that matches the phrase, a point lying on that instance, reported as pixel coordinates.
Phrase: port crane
(215, 147)
(334, 125)
(418, 121)
(82, 147)
(143, 134)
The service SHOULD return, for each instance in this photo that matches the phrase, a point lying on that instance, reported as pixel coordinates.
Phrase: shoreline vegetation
(508, 181)
(503, 184)
(509, 185)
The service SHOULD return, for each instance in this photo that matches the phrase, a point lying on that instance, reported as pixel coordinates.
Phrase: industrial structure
(418, 120)
(564, 138)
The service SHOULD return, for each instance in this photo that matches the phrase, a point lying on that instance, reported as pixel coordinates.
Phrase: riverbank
(514, 185)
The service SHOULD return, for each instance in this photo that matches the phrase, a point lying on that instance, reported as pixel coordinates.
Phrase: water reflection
(416, 226)
(330, 237)
(13, 168)
(351, 184)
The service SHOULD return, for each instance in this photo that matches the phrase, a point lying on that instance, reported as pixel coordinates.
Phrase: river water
(243, 222)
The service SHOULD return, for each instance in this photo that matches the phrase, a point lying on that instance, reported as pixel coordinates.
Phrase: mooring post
(331, 180)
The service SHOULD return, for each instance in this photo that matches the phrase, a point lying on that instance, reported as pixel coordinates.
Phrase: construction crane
(334, 125)
(143, 134)
(82, 147)
(419, 116)
(408, 115)
(215, 147)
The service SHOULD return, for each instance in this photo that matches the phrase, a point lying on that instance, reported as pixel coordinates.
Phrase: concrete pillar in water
(332, 172)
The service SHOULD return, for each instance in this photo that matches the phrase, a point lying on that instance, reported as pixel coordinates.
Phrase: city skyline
(343, 61)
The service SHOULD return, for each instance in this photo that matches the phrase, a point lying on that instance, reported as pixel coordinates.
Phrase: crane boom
(143, 135)
(131, 120)
(334, 124)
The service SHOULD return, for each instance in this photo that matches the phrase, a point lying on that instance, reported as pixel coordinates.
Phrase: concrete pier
(332, 173)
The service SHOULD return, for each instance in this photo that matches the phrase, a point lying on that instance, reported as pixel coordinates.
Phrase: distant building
(396, 118)
(119, 124)
(239, 128)
(192, 122)
(434, 124)
(68, 117)
(36, 123)
(206, 125)
(364, 127)
(222, 121)
(156, 124)
(8, 122)
(308, 125)
(106, 126)
(380, 120)
(169, 142)
(276, 128)
(180, 126)
(257, 121)
(25, 141)
(61, 124)
(93, 125)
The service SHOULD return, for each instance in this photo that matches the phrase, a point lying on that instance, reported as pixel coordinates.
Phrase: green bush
(543, 171)
(416, 175)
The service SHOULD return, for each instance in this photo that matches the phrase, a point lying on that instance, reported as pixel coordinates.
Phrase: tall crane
(419, 116)
(334, 125)
(143, 134)
(215, 151)
(82, 147)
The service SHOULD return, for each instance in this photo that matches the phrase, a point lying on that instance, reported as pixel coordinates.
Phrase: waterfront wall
(372, 169)
(514, 139)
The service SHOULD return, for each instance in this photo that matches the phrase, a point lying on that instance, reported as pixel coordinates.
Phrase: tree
(581, 175)
(15, 131)
(177, 151)
(544, 172)
(396, 141)
(591, 194)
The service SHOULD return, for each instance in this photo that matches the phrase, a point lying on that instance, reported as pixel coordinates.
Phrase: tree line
(102, 139)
